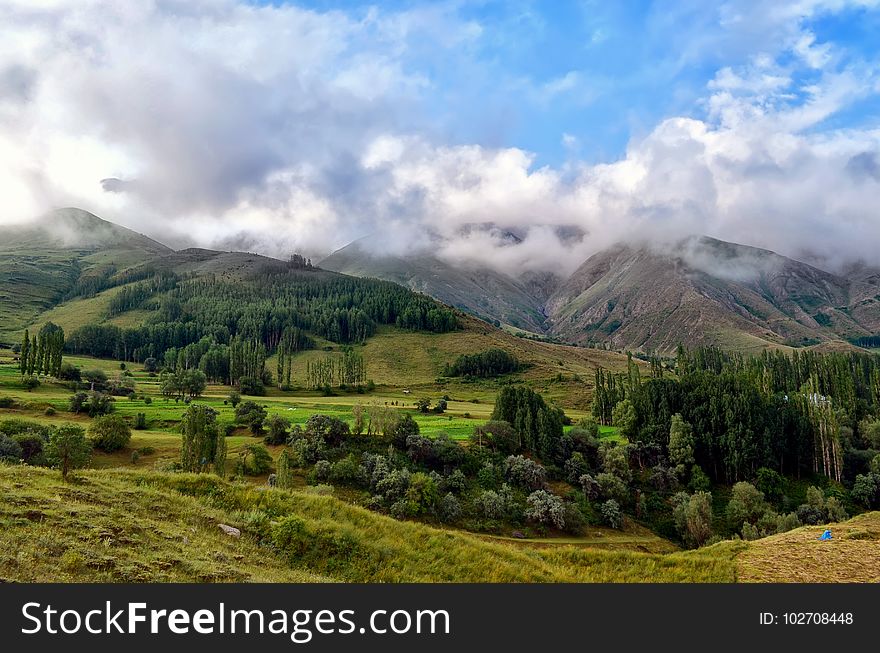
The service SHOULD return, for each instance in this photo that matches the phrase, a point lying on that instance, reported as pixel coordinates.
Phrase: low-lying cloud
(276, 129)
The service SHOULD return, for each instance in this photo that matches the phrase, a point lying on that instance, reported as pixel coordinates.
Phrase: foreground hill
(116, 526)
(123, 526)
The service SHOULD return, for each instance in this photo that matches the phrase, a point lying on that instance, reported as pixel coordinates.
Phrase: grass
(852, 556)
(126, 526)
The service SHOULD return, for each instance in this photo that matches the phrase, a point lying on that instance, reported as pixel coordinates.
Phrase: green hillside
(122, 526)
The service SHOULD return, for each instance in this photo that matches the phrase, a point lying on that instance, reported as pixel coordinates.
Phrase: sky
(449, 126)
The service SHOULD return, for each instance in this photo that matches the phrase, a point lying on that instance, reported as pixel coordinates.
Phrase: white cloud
(276, 128)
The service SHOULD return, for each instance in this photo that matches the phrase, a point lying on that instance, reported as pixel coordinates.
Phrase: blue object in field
(825, 536)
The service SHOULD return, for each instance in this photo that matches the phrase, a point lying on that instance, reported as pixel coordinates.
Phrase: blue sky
(603, 72)
(301, 126)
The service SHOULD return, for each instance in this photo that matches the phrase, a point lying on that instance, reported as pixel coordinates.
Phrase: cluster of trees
(293, 340)
(486, 364)
(537, 426)
(65, 447)
(181, 383)
(347, 369)
(135, 295)
(797, 414)
(42, 353)
(227, 330)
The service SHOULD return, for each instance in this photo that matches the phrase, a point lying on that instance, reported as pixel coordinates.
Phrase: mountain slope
(41, 263)
(708, 292)
(477, 290)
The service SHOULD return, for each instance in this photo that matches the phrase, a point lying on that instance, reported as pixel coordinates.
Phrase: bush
(92, 403)
(525, 473)
(251, 386)
(612, 488)
(449, 508)
(611, 513)
(7, 402)
(575, 467)
(746, 504)
(251, 414)
(32, 444)
(49, 412)
(30, 383)
(110, 433)
(866, 490)
(545, 508)
(490, 505)
(322, 470)
(148, 400)
(278, 430)
(347, 471)
(693, 517)
(140, 421)
(234, 398)
(69, 372)
(254, 460)
(10, 449)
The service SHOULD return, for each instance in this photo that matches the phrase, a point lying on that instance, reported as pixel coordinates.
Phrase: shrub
(746, 504)
(251, 414)
(278, 430)
(140, 421)
(590, 487)
(693, 517)
(402, 430)
(234, 398)
(347, 471)
(148, 400)
(7, 402)
(30, 383)
(525, 473)
(92, 403)
(32, 444)
(251, 386)
(545, 508)
(254, 460)
(109, 433)
(49, 411)
(866, 490)
(575, 467)
(10, 449)
(612, 488)
(611, 513)
(490, 505)
(322, 470)
(449, 508)
(69, 372)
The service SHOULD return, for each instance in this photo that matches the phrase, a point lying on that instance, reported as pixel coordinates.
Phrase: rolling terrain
(706, 292)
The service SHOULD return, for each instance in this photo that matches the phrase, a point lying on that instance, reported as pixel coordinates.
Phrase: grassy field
(126, 526)
(851, 556)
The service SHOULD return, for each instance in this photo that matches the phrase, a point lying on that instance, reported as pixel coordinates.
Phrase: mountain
(709, 292)
(706, 291)
(481, 291)
(42, 262)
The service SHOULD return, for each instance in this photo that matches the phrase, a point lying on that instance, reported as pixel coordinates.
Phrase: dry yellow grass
(852, 556)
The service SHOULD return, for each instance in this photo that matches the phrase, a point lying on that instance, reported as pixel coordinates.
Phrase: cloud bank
(279, 129)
